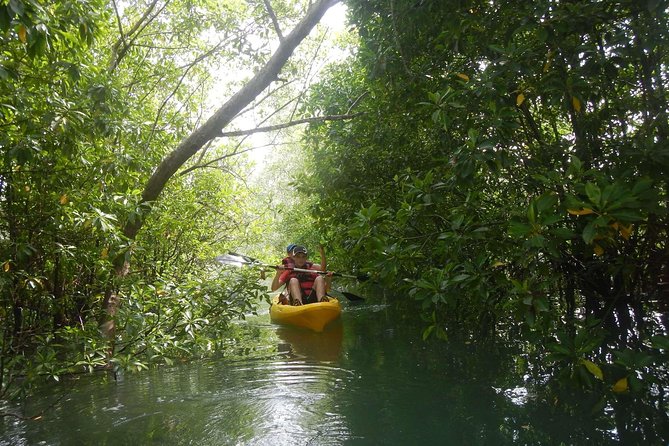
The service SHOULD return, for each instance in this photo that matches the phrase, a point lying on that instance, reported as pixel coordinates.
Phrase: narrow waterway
(368, 379)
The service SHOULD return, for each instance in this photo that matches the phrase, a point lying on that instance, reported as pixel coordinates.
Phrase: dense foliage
(508, 176)
(93, 95)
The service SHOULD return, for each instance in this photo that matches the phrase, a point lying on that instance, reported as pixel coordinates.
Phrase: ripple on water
(277, 402)
(280, 400)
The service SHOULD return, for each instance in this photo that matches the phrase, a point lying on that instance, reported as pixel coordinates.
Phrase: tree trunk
(208, 131)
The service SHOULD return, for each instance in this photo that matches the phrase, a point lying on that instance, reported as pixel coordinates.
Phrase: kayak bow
(312, 316)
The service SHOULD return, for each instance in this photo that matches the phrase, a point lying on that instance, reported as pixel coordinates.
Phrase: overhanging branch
(227, 112)
(272, 128)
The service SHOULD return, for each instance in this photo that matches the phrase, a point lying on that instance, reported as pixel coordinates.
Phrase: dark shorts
(311, 298)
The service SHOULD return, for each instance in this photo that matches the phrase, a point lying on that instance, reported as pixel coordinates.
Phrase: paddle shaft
(303, 270)
(252, 261)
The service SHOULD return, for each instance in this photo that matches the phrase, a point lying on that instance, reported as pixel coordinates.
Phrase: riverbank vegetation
(110, 221)
(508, 178)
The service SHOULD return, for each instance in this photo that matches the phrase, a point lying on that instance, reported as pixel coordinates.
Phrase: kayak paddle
(235, 259)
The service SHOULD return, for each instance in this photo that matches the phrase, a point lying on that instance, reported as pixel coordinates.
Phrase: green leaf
(536, 241)
(428, 331)
(5, 18)
(576, 162)
(660, 342)
(532, 212)
(594, 193)
(497, 49)
(550, 219)
(559, 348)
(530, 317)
(461, 277)
(641, 186)
(562, 233)
(541, 178)
(540, 304)
(546, 202)
(589, 233)
(635, 384)
(626, 215)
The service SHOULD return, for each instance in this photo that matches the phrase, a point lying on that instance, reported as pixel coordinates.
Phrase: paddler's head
(300, 255)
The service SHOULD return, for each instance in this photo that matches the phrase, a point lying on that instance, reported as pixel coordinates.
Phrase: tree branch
(224, 115)
(355, 102)
(272, 128)
(396, 37)
(229, 155)
(188, 67)
(134, 32)
(275, 22)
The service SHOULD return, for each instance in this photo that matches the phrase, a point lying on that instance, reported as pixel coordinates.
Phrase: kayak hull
(312, 316)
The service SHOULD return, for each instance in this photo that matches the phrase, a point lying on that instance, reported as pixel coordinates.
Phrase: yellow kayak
(312, 316)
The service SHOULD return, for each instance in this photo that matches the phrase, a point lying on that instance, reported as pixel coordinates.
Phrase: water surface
(368, 379)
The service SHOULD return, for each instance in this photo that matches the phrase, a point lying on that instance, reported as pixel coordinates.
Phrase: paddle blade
(351, 296)
(232, 260)
(360, 277)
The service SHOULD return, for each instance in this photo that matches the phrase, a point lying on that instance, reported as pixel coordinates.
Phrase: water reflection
(287, 399)
(325, 346)
(369, 379)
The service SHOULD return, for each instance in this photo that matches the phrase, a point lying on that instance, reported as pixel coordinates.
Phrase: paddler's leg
(295, 291)
(321, 289)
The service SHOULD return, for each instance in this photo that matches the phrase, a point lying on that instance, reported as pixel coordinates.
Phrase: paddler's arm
(328, 277)
(276, 282)
(324, 265)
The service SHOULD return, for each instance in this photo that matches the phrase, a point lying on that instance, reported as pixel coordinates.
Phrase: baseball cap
(297, 249)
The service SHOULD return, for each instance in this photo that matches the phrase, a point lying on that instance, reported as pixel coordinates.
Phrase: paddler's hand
(283, 278)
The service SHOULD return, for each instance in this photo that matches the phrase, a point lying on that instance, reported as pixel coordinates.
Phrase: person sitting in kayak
(288, 261)
(303, 287)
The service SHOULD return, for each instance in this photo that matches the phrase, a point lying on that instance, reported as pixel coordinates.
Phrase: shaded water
(368, 379)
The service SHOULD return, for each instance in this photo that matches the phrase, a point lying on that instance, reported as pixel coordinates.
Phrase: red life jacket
(306, 279)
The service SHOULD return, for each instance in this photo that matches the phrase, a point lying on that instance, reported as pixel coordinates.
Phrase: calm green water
(369, 379)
